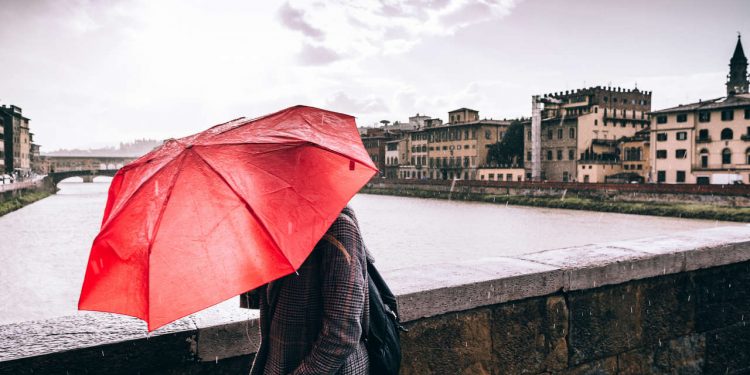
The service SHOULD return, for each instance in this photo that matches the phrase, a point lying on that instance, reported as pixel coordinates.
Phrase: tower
(737, 82)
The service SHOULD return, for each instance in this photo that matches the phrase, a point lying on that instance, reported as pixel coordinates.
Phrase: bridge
(86, 167)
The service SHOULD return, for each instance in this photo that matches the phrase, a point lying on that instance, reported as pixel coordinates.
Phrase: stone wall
(722, 195)
(668, 304)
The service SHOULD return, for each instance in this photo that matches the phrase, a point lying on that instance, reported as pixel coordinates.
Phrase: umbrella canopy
(209, 216)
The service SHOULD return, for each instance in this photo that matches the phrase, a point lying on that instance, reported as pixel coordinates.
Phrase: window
(661, 137)
(559, 154)
(726, 156)
(487, 134)
(680, 176)
(661, 119)
(661, 176)
(499, 176)
(661, 154)
(727, 115)
(747, 156)
(681, 136)
(703, 135)
(747, 113)
(549, 154)
(727, 134)
(596, 109)
(571, 154)
(528, 155)
(549, 133)
(528, 135)
(565, 176)
(509, 176)
(704, 158)
(682, 117)
(559, 133)
(596, 122)
(704, 116)
(680, 153)
(572, 132)
(492, 176)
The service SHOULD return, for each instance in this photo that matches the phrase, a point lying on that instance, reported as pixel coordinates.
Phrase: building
(375, 142)
(395, 153)
(457, 149)
(708, 141)
(2, 145)
(17, 142)
(580, 129)
(500, 174)
(635, 157)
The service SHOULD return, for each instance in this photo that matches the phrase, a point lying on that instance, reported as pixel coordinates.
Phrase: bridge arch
(87, 175)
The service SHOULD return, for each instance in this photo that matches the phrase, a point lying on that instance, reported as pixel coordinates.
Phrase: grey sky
(90, 74)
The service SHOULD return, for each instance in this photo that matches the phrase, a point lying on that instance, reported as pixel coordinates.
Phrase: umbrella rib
(115, 214)
(249, 208)
(156, 229)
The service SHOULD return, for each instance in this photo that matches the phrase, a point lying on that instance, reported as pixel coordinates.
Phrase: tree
(509, 151)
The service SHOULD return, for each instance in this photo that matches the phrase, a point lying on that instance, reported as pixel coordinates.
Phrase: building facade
(457, 149)
(580, 131)
(17, 141)
(707, 142)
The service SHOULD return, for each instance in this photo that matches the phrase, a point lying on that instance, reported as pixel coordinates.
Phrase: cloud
(295, 20)
(369, 28)
(316, 55)
(344, 103)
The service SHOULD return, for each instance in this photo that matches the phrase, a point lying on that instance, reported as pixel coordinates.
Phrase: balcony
(721, 167)
(702, 139)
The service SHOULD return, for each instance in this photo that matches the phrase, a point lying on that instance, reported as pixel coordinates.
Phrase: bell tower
(737, 82)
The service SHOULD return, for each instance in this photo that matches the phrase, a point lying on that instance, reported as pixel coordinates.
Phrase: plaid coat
(312, 322)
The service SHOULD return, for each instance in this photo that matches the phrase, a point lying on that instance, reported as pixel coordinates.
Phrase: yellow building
(708, 141)
(457, 149)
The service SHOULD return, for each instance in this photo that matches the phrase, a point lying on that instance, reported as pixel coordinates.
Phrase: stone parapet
(674, 303)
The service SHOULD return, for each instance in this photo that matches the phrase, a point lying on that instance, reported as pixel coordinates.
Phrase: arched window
(726, 134)
(726, 156)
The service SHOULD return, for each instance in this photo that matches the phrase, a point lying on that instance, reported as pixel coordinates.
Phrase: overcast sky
(94, 73)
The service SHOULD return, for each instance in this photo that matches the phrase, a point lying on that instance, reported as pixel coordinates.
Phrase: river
(45, 246)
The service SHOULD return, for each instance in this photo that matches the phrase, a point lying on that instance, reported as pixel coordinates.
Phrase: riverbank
(681, 210)
(21, 200)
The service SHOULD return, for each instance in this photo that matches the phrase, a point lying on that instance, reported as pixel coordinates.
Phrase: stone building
(395, 153)
(457, 149)
(2, 145)
(708, 141)
(578, 134)
(17, 142)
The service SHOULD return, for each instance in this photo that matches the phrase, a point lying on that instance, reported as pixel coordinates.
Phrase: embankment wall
(722, 195)
(667, 304)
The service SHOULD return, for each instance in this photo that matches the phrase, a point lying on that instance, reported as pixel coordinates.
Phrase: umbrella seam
(250, 209)
(156, 232)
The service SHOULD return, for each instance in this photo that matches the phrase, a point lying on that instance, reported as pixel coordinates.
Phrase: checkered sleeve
(343, 292)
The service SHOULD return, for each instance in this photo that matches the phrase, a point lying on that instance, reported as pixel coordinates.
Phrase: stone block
(667, 308)
(722, 296)
(683, 355)
(604, 322)
(593, 266)
(529, 336)
(728, 350)
(449, 344)
(440, 289)
(605, 366)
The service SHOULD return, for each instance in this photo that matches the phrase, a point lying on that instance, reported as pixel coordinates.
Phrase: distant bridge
(86, 167)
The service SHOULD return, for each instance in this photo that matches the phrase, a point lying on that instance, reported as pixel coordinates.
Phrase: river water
(44, 246)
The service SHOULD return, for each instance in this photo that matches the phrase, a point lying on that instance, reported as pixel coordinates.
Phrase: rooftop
(741, 100)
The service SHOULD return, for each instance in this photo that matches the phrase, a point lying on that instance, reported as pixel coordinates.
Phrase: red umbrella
(209, 216)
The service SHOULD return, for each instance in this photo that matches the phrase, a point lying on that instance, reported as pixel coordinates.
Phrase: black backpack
(382, 341)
